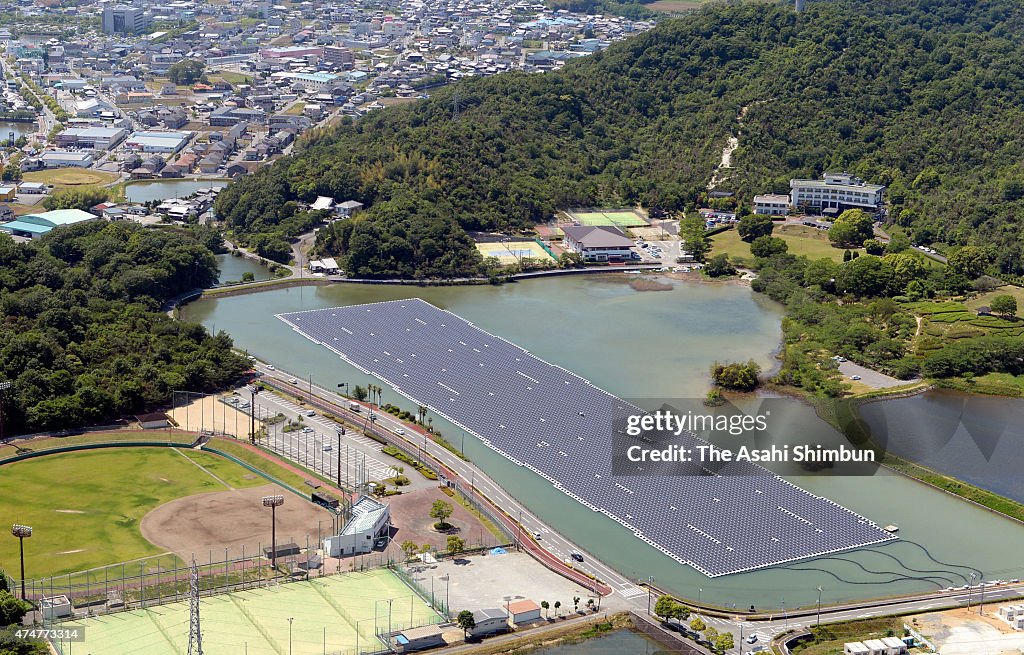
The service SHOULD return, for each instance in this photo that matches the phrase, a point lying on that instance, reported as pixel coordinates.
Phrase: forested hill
(82, 336)
(925, 96)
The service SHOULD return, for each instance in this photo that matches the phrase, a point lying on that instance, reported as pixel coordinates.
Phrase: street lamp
(21, 532)
(650, 585)
(341, 433)
(344, 384)
(970, 588)
(447, 608)
(273, 502)
(290, 619)
(819, 606)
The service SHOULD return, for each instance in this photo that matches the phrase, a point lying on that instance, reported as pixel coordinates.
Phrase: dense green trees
(766, 246)
(186, 72)
(82, 198)
(753, 226)
(851, 229)
(1004, 305)
(84, 340)
(738, 376)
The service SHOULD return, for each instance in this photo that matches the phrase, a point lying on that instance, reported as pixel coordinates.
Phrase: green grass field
(802, 240)
(85, 507)
(620, 219)
(256, 621)
(64, 177)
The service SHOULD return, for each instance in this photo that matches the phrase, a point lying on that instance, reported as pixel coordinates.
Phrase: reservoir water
(624, 642)
(659, 345)
(19, 129)
(147, 190)
(232, 269)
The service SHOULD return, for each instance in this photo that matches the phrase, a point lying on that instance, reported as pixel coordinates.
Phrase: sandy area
(209, 413)
(957, 633)
(230, 519)
(410, 516)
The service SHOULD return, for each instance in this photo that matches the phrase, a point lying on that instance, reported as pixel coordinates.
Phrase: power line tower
(455, 105)
(195, 633)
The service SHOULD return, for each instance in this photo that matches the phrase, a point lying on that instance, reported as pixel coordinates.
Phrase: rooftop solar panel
(541, 416)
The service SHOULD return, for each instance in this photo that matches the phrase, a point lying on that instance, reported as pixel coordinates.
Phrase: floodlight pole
(273, 502)
(341, 433)
(4, 386)
(22, 532)
(253, 390)
(818, 622)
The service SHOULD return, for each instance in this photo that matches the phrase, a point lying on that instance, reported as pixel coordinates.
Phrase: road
(553, 548)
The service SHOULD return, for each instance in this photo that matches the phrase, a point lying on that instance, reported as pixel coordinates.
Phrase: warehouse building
(96, 138)
(162, 142)
(34, 226)
(65, 159)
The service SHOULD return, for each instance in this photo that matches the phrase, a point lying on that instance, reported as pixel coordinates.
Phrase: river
(659, 344)
(147, 190)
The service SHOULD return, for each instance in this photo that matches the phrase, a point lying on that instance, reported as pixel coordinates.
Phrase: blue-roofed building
(36, 225)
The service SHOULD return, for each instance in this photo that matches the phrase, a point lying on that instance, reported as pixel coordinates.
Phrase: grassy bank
(829, 639)
(542, 638)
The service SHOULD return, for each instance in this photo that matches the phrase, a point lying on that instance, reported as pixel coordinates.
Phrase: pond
(148, 190)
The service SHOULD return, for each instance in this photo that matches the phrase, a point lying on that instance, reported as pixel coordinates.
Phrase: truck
(355, 407)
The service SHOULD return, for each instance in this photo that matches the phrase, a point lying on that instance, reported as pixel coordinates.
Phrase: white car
(752, 639)
(307, 430)
(854, 377)
(270, 367)
(400, 431)
(292, 381)
(310, 412)
(327, 446)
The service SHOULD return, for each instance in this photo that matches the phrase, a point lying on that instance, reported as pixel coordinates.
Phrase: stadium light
(4, 386)
(22, 532)
(253, 390)
(273, 502)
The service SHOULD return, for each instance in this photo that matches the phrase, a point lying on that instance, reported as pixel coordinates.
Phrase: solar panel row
(737, 518)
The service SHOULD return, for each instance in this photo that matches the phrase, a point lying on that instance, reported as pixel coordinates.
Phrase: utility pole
(818, 622)
(650, 586)
(341, 433)
(253, 390)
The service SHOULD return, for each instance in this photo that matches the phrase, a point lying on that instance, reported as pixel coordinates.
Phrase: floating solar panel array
(737, 518)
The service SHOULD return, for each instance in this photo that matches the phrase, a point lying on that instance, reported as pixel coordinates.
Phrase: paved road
(625, 593)
(870, 377)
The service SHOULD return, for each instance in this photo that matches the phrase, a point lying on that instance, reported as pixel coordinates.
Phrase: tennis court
(513, 252)
(336, 614)
(620, 218)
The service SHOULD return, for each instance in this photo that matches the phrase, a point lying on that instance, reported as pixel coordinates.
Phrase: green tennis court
(618, 218)
(512, 252)
(345, 612)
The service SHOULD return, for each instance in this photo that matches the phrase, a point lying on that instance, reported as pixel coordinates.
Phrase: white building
(489, 622)
(370, 520)
(598, 243)
(326, 265)
(771, 204)
(836, 191)
(62, 159)
(523, 611)
(883, 646)
(163, 142)
(1014, 615)
(96, 138)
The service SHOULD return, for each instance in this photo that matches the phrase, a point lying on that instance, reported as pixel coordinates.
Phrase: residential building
(599, 243)
(836, 191)
(771, 204)
(347, 208)
(32, 187)
(8, 193)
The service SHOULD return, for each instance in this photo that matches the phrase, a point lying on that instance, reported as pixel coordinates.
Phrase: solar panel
(740, 517)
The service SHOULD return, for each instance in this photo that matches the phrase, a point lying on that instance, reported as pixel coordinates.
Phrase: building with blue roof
(35, 225)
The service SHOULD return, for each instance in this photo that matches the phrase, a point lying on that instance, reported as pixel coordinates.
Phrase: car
(576, 556)
(251, 358)
(270, 367)
(965, 587)
(752, 639)
(234, 400)
(536, 534)
(292, 381)
(310, 412)
(841, 359)
(400, 431)
(243, 404)
(327, 447)
(855, 377)
(307, 430)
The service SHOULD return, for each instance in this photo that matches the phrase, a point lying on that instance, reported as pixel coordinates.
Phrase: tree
(874, 247)
(736, 376)
(248, 276)
(969, 261)
(441, 510)
(1004, 305)
(724, 642)
(83, 198)
(409, 547)
(693, 234)
(665, 607)
(12, 609)
(186, 72)
(864, 276)
(544, 604)
(576, 603)
(710, 634)
(570, 259)
(557, 605)
(851, 229)
(766, 246)
(466, 622)
(719, 266)
(697, 625)
(359, 393)
(455, 545)
(754, 226)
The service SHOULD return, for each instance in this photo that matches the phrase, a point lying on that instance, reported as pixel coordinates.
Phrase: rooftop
(365, 512)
